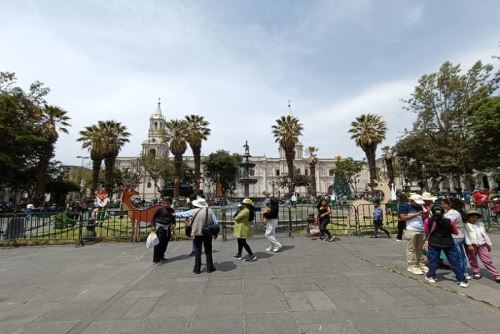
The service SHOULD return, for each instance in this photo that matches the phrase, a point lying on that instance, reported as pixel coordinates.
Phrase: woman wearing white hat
(200, 215)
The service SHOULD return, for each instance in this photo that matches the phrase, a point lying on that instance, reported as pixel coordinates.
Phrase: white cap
(417, 199)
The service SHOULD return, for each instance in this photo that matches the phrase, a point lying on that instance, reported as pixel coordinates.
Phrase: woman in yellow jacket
(243, 229)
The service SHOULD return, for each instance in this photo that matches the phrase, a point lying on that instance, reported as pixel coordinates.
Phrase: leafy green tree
(341, 186)
(368, 131)
(286, 132)
(20, 129)
(445, 103)
(154, 167)
(222, 168)
(485, 135)
(198, 131)
(168, 172)
(350, 169)
(176, 132)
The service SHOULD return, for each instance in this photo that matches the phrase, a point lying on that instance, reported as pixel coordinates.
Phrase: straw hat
(427, 196)
(473, 212)
(417, 199)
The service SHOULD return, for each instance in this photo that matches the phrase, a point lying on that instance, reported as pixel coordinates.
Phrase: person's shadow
(225, 266)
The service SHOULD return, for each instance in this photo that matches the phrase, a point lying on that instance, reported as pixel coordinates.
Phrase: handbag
(211, 229)
(152, 240)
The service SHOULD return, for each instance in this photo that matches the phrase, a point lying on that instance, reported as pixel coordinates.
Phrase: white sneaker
(331, 238)
(451, 276)
(468, 277)
(424, 268)
(415, 270)
(463, 285)
(268, 249)
(277, 249)
(430, 279)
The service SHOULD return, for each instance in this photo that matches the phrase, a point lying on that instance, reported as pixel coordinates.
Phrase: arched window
(156, 126)
(152, 152)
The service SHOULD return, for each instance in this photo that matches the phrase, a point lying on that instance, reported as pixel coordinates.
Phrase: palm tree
(368, 131)
(52, 120)
(388, 156)
(93, 140)
(176, 132)
(312, 160)
(198, 131)
(286, 132)
(115, 135)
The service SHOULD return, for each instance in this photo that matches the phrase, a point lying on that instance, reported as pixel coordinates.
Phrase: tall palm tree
(115, 135)
(312, 160)
(52, 120)
(388, 155)
(198, 131)
(175, 134)
(93, 140)
(368, 131)
(286, 132)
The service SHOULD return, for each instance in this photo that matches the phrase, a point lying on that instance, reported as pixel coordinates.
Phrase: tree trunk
(96, 168)
(197, 167)
(290, 156)
(370, 157)
(41, 169)
(312, 168)
(109, 165)
(177, 178)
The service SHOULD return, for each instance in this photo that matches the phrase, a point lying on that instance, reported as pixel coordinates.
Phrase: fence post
(289, 221)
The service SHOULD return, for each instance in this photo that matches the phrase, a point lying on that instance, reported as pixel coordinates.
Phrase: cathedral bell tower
(154, 145)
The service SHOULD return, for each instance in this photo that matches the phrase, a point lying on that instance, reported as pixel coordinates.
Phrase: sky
(238, 63)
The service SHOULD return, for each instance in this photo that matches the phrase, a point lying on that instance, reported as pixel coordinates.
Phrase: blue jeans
(453, 256)
(460, 244)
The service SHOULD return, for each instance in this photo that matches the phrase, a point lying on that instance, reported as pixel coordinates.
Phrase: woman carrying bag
(243, 229)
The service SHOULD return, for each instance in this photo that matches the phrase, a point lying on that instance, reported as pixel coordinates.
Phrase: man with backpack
(202, 217)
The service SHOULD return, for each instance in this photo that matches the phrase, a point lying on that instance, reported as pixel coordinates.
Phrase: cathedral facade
(267, 170)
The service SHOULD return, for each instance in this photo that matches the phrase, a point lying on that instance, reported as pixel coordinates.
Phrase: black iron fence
(119, 225)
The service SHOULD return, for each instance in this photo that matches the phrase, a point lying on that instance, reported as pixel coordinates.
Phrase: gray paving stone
(311, 287)
(345, 327)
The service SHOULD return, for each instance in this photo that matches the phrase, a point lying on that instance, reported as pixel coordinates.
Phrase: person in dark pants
(378, 220)
(439, 232)
(200, 215)
(402, 199)
(324, 219)
(163, 221)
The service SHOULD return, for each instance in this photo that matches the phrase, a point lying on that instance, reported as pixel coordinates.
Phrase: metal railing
(117, 224)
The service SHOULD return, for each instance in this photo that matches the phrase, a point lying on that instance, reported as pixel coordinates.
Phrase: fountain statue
(246, 180)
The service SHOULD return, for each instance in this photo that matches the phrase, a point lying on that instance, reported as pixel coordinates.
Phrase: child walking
(438, 238)
(478, 244)
(378, 218)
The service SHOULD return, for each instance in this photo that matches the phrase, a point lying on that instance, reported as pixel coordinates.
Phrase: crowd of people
(200, 216)
(437, 230)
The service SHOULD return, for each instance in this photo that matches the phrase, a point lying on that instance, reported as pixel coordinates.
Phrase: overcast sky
(238, 63)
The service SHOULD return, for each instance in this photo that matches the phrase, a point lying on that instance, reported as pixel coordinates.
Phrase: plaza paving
(354, 285)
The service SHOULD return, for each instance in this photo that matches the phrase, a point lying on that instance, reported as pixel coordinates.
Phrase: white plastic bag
(152, 240)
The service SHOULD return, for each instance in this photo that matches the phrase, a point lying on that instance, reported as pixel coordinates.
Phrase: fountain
(246, 180)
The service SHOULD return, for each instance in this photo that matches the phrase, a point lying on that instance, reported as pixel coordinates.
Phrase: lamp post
(80, 173)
